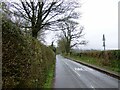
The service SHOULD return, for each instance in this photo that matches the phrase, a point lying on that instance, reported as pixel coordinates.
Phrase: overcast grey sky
(99, 17)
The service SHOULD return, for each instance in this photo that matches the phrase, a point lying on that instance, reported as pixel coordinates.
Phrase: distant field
(109, 60)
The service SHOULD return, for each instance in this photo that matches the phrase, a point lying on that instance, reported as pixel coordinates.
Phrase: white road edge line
(72, 69)
(77, 73)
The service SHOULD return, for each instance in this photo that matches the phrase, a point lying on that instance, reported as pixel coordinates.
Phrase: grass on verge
(50, 77)
(113, 66)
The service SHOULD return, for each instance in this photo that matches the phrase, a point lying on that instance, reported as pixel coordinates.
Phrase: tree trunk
(34, 33)
(68, 47)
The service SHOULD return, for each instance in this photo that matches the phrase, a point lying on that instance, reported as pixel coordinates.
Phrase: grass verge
(112, 67)
(50, 78)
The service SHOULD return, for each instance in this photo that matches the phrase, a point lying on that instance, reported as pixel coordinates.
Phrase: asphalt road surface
(70, 74)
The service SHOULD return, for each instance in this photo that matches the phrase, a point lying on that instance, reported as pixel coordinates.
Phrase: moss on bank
(25, 61)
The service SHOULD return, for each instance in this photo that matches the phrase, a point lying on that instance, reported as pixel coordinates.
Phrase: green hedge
(110, 54)
(25, 61)
(110, 58)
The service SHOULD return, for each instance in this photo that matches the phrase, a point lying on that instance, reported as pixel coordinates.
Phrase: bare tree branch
(71, 34)
(45, 14)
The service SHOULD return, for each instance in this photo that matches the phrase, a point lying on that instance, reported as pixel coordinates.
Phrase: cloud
(100, 17)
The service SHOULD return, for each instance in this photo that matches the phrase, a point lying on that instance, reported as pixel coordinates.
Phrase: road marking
(83, 68)
(89, 69)
(72, 69)
(77, 73)
(93, 87)
(79, 69)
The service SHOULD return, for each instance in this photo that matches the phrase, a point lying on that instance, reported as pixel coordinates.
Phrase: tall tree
(45, 14)
(62, 45)
(71, 34)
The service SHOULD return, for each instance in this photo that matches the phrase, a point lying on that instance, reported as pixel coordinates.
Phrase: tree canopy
(44, 15)
(71, 35)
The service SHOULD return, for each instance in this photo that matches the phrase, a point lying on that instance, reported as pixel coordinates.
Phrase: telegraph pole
(104, 41)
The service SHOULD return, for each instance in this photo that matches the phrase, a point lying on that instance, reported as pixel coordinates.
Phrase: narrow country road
(70, 74)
